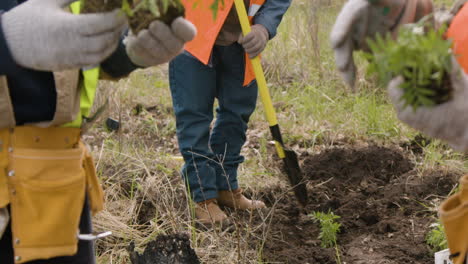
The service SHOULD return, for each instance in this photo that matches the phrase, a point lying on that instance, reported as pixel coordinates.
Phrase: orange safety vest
(458, 32)
(208, 27)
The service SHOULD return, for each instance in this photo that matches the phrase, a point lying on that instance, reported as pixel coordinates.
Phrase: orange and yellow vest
(208, 28)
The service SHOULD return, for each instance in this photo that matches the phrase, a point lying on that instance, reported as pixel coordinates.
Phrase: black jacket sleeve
(7, 63)
(118, 65)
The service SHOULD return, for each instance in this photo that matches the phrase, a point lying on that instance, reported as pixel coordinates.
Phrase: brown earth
(385, 208)
(143, 18)
(166, 249)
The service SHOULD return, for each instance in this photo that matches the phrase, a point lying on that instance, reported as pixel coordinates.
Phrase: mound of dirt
(382, 202)
(166, 249)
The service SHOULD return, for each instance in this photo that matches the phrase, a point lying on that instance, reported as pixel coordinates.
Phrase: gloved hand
(255, 42)
(41, 35)
(4, 220)
(159, 43)
(454, 216)
(362, 19)
(447, 121)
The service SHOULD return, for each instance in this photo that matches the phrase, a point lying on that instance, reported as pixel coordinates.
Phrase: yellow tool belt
(44, 177)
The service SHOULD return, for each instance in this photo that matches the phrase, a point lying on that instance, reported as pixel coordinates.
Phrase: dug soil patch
(385, 209)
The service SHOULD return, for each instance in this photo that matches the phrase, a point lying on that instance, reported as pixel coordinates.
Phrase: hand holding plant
(140, 13)
(422, 59)
(158, 29)
(425, 82)
(159, 43)
(447, 121)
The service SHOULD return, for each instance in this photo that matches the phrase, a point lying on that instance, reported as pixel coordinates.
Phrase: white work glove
(362, 19)
(255, 42)
(41, 35)
(4, 219)
(447, 121)
(159, 43)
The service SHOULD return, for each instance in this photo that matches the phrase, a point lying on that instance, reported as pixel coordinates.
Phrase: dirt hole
(385, 208)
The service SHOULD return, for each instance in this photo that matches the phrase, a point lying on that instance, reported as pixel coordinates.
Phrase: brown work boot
(208, 214)
(236, 200)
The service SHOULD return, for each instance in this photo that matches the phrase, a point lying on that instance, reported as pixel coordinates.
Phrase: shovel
(289, 157)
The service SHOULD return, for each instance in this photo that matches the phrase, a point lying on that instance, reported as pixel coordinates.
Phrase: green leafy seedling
(422, 58)
(139, 12)
(146, 11)
(436, 237)
(329, 229)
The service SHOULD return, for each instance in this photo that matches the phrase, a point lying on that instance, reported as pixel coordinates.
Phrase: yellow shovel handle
(260, 76)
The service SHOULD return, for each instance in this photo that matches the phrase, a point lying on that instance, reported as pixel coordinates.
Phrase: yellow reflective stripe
(75, 7)
(89, 85)
(91, 78)
(87, 95)
(75, 123)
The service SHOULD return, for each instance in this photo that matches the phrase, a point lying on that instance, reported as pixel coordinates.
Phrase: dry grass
(139, 170)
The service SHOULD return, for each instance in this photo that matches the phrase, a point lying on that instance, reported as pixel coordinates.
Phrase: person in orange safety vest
(215, 65)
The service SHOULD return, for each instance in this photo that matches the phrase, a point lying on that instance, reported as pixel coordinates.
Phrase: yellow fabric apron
(45, 175)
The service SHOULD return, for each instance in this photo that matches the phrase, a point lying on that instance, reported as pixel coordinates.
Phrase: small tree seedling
(329, 229)
(422, 58)
(141, 13)
(146, 11)
(436, 237)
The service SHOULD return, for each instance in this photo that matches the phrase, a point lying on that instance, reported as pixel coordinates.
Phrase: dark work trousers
(85, 254)
(211, 156)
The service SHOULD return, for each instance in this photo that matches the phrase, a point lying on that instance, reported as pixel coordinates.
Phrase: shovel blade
(291, 165)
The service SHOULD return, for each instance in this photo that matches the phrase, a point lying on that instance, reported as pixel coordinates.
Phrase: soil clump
(166, 249)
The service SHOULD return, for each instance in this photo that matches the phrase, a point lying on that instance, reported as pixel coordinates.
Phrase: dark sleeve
(271, 13)
(118, 64)
(7, 63)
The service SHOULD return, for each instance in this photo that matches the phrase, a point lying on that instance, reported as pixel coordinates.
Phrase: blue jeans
(211, 157)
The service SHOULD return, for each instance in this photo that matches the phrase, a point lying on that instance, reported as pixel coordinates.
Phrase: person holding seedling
(49, 70)
(215, 65)
(431, 96)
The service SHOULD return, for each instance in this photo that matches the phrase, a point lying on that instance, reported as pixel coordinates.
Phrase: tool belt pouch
(454, 216)
(93, 187)
(47, 192)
